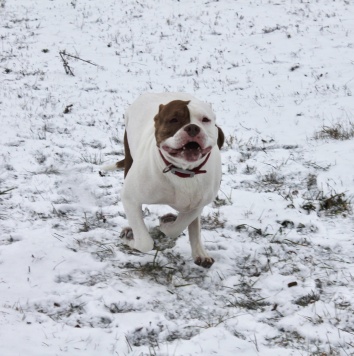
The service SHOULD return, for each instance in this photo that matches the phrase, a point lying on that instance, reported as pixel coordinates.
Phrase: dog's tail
(114, 167)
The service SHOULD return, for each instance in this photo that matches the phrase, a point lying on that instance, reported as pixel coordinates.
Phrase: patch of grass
(335, 204)
(307, 299)
(95, 158)
(269, 182)
(271, 29)
(272, 178)
(300, 227)
(287, 339)
(316, 320)
(212, 320)
(252, 231)
(212, 221)
(249, 170)
(337, 131)
(145, 336)
(180, 334)
(232, 168)
(49, 171)
(306, 228)
(116, 308)
(8, 241)
(311, 182)
(219, 202)
(62, 311)
(85, 227)
(40, 157)
(167, 268)
(160, 271)
(232, 141)
(332, 204)
(248, 303)
(104, 251)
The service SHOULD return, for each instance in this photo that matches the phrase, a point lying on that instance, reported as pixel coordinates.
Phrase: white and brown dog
(172, 157)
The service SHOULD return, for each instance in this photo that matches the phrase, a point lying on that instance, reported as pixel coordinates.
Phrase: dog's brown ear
(221, 137)
(161, 106)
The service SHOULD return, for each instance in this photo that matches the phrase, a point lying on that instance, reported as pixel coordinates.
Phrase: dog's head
(185, 131)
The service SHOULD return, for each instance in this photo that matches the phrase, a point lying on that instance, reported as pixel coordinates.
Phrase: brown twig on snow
(66, 64)
(67, 68)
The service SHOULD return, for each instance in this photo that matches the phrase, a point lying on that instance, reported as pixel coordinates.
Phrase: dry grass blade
(6, 191)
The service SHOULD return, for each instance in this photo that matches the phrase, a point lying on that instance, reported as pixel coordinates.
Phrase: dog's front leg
(200, 256)
(172, 226)
(137, 236)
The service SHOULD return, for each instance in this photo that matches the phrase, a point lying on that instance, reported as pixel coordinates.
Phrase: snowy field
(280, 77)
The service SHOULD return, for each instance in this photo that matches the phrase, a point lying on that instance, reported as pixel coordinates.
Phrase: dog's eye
(173, 120)
(205, 119)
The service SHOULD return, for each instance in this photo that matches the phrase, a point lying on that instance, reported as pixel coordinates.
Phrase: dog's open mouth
(191, 151)
(190, 146)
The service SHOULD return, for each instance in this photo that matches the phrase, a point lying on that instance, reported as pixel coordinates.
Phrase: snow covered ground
(280, 77)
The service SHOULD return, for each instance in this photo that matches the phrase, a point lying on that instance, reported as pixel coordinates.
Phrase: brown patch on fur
(127, 162)
(128, 159)
(170, 118)
(221, 137)
(120, 164)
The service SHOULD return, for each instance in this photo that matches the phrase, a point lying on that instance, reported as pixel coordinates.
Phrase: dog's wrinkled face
(185, 131)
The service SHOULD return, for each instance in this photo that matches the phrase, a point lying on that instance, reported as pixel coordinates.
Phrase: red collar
(183, 173)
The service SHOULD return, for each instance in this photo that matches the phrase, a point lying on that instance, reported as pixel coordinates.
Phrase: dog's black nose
(192, 130)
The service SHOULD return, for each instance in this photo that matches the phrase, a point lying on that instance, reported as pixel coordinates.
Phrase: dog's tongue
(191, 152)
(191, 156)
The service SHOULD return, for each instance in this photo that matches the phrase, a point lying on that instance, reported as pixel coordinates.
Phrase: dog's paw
(142, 245)
(127, 234)
(205, 262)
(166, 225)
(168, 218)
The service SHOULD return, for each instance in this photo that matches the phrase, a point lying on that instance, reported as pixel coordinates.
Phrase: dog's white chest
(189, 194)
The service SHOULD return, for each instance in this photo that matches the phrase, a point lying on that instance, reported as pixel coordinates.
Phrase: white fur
(109, 168)
(147, 184)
